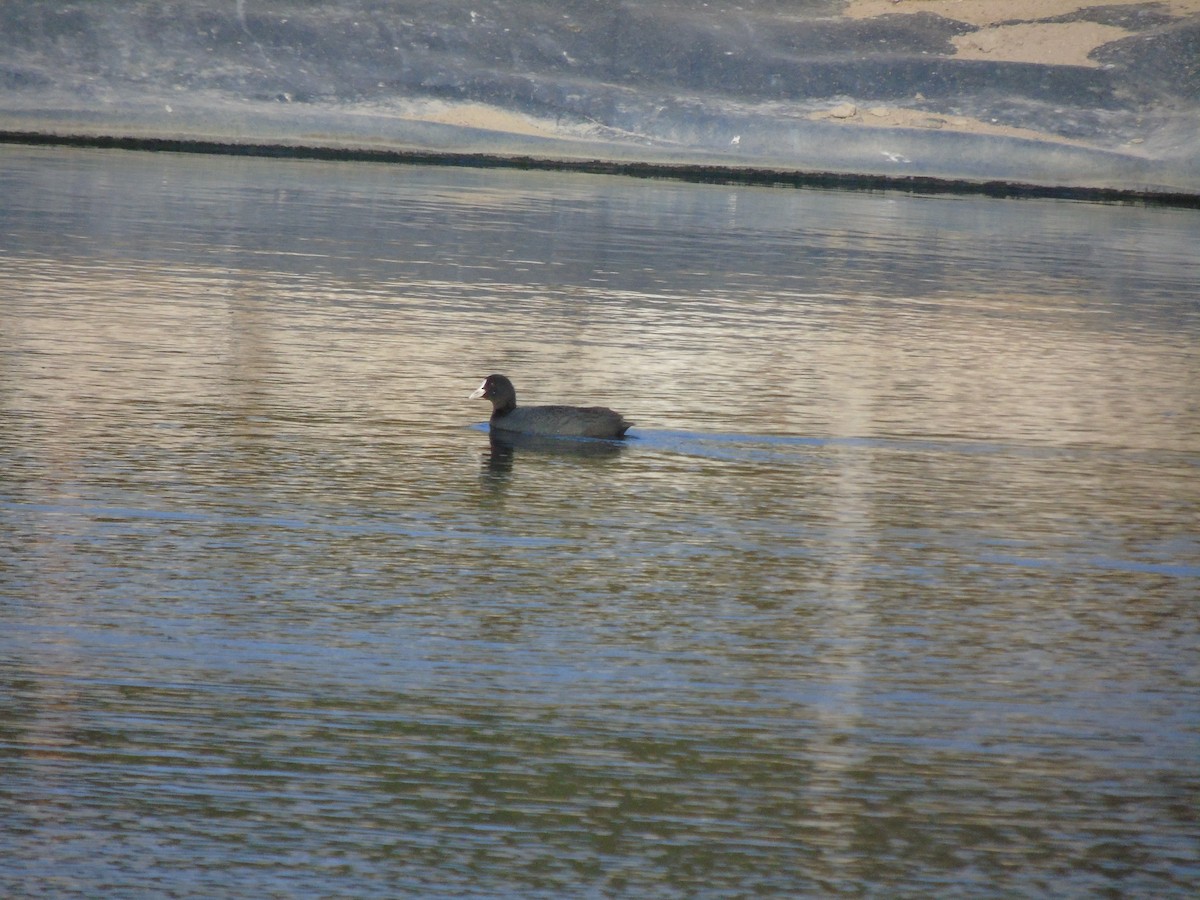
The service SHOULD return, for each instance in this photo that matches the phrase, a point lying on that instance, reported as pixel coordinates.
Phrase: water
(891, 592)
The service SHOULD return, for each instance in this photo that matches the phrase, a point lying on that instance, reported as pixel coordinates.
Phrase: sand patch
(901, 117)
(1027, 39)
(989, 12)
(479, 115)
(1062, 44)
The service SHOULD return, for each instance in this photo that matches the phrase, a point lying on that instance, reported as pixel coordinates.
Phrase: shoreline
(756, 176)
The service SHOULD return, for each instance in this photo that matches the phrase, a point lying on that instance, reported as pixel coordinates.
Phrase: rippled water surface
(892, 591)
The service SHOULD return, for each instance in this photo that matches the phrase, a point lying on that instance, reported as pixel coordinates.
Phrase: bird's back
(566, 421)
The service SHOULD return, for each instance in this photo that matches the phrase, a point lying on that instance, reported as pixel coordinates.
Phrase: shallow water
(891, 591)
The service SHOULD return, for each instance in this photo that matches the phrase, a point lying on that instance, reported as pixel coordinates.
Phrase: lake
(891, 591)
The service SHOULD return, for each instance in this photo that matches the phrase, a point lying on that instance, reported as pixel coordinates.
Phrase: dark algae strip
(715, 174)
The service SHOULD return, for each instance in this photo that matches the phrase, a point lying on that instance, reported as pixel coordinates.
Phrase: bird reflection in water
(504, 447)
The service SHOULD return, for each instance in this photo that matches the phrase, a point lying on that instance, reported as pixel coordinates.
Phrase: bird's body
(559, 421)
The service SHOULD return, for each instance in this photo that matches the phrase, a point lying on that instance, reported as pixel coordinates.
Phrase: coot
(564, 421)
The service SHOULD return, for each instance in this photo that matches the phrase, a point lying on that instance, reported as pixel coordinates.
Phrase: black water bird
(558, 421)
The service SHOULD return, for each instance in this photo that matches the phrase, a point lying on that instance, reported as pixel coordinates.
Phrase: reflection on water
(891, 590)
(503, 447)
